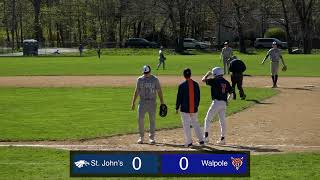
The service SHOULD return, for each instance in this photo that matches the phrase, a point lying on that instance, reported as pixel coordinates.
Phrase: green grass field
(30, 163)
(79, 113)
(298, 65)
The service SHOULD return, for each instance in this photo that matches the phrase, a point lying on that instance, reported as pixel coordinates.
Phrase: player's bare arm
(135, 96)
(205, 77)
(265, 59)
(160, 94)
(282, 61)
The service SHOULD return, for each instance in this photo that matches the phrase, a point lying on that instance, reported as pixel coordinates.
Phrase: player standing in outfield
(237, 67)
(148, 86)
(161, 58)
(188, 99)
(275, 55)
(99, 51)
(226, 54)
(80, 49)
(220, 90)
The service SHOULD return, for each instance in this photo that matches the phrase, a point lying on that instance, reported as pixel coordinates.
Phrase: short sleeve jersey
(147, 87)
(161, 55)
(226, 52)
(274, 54)
(220, 88)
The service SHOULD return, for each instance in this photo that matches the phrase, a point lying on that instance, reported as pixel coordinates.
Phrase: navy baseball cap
(146, 69)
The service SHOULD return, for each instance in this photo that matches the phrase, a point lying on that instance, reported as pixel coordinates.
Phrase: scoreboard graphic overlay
(159, 163)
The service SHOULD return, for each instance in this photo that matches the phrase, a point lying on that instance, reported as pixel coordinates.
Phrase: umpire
(237, 67)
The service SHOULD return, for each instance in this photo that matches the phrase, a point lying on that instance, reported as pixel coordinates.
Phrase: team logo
(81, 163)
(237, 162)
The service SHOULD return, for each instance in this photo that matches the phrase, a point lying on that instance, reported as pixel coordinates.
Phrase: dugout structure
(30, 47)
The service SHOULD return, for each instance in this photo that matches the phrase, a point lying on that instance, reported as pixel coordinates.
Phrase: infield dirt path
(289, 121)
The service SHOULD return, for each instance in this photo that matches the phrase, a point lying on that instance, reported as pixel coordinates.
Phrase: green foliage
(79, 113)
(278, 33)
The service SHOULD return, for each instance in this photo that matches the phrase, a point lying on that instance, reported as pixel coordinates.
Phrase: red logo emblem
(237, 162)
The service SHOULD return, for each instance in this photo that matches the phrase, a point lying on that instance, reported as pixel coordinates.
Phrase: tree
(241, 12)
(304, 10)
(286, 25)
(217, 7)
(37, 24)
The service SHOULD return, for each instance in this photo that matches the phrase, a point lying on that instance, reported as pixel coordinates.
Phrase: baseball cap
(274, 43)
(226, 43)
(146, 69)
(187, 73)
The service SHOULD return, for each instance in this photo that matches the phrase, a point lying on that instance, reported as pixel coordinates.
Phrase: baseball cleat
(188, 145)
(140, 141)
(206, 139)
(243, 97)
(201, 143)
(222, 141)
(152, 141)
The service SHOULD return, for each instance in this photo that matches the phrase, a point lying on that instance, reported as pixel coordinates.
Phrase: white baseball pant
(191, 119)
(216, 107)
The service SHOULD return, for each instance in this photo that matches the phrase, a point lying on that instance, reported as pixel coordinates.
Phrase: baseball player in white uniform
(147, 88)
(226, 54)
(275, 56)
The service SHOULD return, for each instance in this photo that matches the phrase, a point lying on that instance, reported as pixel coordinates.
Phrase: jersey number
(223, 88)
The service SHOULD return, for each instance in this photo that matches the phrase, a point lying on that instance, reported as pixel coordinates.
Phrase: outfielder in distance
(147, 88)
(188, 99)
(226, 54)
(275, 56)
(220, 93)
(162, 59)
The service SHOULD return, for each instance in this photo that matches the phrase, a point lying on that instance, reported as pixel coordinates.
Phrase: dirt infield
(289, 121)
(125, 81)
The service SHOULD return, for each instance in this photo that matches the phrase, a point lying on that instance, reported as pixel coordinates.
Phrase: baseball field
(50, 105)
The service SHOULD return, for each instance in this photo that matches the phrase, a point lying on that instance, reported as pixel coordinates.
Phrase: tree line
(67, 23)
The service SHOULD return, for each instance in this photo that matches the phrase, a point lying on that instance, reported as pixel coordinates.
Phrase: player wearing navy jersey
(237, 67)
(220, 93)
(188, 99)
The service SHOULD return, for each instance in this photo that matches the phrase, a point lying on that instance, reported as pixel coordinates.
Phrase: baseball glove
(284, 68)
(163, 110)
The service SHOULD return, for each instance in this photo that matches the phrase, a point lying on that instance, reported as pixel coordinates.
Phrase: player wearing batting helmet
(220, 90)
(188, 99)
(147, 88)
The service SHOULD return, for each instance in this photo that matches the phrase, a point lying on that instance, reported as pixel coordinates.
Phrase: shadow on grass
(297, 88)
(197, 148)
(210, 148)
(252, 148)
(257, 101)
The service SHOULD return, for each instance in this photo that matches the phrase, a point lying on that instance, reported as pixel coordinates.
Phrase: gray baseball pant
(150, 108)
(274, 68)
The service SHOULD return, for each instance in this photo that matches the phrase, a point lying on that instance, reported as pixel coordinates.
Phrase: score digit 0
(187, 163)
(134, 163)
